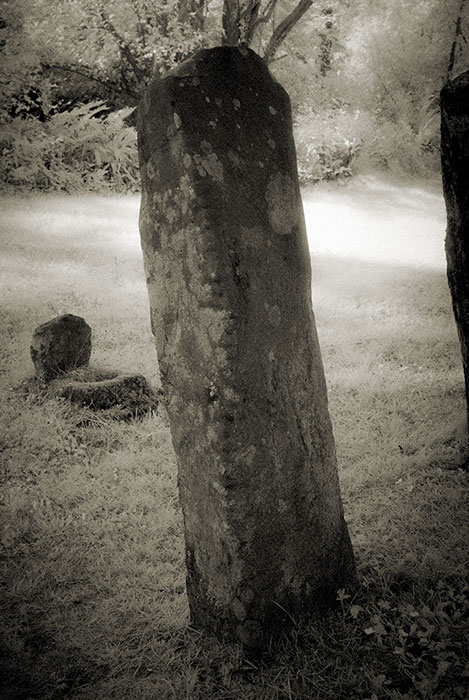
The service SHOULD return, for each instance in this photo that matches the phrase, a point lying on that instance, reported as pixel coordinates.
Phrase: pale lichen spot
(272, 110)
(206, 147)
(151, 172)
(171, 131)
(208, 163)
(283, 506)
(177, 120)
(282, 204)
(274, 315)
(234, 158)
(238, 126)
(185, 192)
(261, 164)
(218, 488)
(207, 98)
(246, 595)
(187, 160)
(171, 215)
(238, 609)
(271, 143)
(213, 123)
(246, 456)
(236, 103)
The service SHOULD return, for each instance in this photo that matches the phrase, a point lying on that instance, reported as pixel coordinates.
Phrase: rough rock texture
(455, 169)
(129, 392)
(60, 345)
(228, 274)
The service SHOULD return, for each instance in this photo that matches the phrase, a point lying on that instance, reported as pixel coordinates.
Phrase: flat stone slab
(130, 393)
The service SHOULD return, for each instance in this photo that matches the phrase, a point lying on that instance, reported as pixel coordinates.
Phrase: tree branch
(457, 35)
(230, 23)
(282, 30)
(123, 47)
(265, 16)
(114, 87)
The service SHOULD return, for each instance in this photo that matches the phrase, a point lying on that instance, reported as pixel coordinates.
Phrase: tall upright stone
(455, 170)
(228, 274)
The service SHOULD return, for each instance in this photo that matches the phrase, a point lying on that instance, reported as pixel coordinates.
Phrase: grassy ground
(93, 602)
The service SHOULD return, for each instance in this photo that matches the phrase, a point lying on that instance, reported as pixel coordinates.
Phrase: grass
(93, 601)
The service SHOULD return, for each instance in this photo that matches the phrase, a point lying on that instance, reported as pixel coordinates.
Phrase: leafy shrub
(398, 146)
(327, 144)
(419, 635)
(76, 150)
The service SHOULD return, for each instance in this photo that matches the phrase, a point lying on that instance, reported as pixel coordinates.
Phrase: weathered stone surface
(129, 392)
(60, 345)
(228, 274)
(455, 170)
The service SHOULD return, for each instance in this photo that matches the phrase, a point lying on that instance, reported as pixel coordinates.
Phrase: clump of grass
(92, 552)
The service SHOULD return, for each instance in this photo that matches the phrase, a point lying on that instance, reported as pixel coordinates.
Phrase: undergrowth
(93, 598)
(83, 149)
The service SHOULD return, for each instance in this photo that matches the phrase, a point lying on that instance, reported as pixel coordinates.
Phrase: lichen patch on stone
(282, 202)
(234, 158)
(208, 164)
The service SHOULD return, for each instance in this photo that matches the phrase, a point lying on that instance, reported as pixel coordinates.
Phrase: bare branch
(265, 16)
(282, 30)
(457, 35)
(123, 47)
(230, 23)
(108, 84)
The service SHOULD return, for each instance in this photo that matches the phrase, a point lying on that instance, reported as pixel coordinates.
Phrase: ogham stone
(455, 171)
(60, 345)
(229, 280)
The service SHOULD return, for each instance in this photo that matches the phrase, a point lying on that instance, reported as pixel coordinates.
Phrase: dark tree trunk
(455, 169)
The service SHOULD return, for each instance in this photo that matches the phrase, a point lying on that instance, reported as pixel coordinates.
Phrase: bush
(82, 149)
(327, 144)
(398, 147)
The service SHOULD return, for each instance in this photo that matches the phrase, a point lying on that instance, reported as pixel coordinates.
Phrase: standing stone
(455, 169)
(60, 345)
(228, 274)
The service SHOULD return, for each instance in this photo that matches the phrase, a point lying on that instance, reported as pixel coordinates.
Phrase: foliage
(327, 144)
(397, 63)
(81, 149)
(366, 77)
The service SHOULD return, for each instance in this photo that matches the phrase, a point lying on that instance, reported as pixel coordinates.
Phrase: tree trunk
(231, 23)
(454, 103)
(229, 280)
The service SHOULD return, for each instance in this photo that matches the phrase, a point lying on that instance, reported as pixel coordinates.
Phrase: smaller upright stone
(60, 345)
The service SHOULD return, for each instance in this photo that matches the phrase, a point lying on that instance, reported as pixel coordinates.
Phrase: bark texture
(228, 274)
(455, 169)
